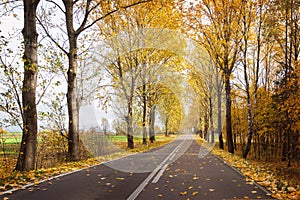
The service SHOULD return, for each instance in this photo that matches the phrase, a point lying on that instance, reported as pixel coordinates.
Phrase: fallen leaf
(291, 189)
(183, 193)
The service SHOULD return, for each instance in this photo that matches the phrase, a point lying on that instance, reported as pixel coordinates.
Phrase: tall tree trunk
(73, 135)
(130, 143)
(219, 108)
(206, 125)
(27, 155)
(211, 119)
(152, 124)
(228, 114)
(247, 85)
(144, 114)
(166, 125)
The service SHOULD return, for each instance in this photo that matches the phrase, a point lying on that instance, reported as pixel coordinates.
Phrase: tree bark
(130, 143)
(219, 99)
(211, 119)
(73, 135)
(247, 86)
(27, 155)
(206, 125)
(166, 125)
(144, 114)
(228, 114)
(152, 124)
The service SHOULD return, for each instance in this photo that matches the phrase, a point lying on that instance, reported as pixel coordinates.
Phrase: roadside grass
(10, 179)
(121, 142)
(282, 182)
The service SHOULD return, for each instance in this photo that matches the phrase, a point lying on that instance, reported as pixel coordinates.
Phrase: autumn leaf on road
(183, 193)
(195, 193)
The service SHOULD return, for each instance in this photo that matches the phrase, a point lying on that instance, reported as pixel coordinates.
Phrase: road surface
(180, 170)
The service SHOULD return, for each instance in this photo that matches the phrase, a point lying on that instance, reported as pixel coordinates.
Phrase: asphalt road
(180, 170)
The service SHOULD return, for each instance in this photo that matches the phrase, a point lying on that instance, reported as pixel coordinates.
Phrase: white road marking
(159, 174)
(140, 188)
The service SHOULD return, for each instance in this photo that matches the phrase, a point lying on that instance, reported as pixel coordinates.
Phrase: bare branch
(56, 4)
(51, 38)
(81, 29)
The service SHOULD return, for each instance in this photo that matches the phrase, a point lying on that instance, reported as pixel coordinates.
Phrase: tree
(286, 29)
(248, 15)
(170, 111)
(132, 64)
(220, 35)
(203, 82)
(104, 125)
(20, 100)
(93, 12)
(27, 155)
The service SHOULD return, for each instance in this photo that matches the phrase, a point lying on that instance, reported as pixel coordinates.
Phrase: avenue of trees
(255, 45)
(246, 91)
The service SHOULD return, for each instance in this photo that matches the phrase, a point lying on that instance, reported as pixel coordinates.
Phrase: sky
(90, 115)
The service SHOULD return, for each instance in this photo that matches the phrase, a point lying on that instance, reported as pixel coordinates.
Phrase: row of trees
(255, 45)
(78, 18)
(136, 75)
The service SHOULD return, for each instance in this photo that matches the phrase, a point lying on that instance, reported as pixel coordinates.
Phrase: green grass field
(10, 143)
(123, 138)
(15, 138)
(11, 138)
